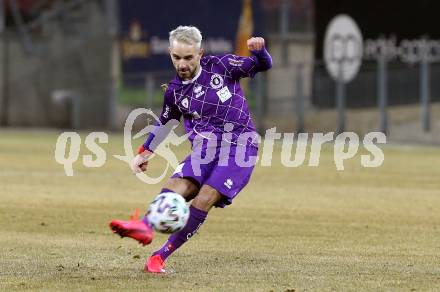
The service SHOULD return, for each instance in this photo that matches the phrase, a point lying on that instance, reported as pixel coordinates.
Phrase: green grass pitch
(305, 228)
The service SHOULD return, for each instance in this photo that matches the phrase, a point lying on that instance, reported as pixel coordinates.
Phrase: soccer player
(206, 92)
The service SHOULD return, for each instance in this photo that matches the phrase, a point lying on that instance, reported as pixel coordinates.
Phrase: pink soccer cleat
(155, 264)
(134, 228)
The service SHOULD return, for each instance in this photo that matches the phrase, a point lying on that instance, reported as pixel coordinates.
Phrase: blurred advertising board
(145, 26)
(403, 32)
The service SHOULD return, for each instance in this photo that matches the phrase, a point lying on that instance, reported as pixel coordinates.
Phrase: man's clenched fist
(255, 44)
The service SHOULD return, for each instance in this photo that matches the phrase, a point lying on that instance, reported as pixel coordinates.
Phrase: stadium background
(84, 65)
(105, 58)
(111, 56)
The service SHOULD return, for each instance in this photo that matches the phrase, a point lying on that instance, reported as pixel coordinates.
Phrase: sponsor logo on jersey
(166, 112)
(216, 81)
(236, 63)
(224, 94)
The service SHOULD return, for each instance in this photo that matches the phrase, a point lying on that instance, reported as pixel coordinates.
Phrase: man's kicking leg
(140, 230)
(206, 198)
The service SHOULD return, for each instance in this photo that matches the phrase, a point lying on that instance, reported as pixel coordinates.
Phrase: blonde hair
(190, 35)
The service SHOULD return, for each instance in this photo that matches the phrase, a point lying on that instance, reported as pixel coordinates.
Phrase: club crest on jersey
(184, 102)
(216, 81)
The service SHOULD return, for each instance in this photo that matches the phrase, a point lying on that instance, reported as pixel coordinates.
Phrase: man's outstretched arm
(241, 67)
(168, 120)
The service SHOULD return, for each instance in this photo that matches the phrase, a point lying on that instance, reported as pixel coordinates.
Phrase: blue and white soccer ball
(168, 213)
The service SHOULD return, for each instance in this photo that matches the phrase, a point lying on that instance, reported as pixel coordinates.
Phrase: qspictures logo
(345, 146)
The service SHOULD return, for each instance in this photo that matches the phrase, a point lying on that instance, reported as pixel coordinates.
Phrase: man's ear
(201, 52)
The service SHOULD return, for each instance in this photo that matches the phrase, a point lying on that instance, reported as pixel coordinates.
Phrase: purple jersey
(214, 98)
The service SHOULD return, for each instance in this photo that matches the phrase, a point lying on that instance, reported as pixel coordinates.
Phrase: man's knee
(206, 198)
(182, 186)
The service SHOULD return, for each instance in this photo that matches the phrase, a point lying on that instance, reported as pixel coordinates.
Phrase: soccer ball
(168, 213)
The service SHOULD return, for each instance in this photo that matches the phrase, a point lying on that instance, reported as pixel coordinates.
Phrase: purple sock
(196, 219)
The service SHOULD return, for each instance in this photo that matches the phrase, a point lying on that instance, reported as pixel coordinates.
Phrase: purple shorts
(228, 173)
